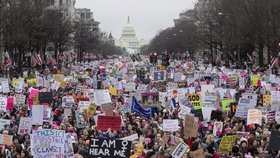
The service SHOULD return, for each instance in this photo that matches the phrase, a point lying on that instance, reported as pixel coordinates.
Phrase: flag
(36, 59)
(52, 60)
(9, 62)
(136, 107)
(274, 61)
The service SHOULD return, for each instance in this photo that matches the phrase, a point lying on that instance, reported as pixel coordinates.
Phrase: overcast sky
(147, 16)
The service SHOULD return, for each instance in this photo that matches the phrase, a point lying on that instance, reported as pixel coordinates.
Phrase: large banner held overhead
(109, 148)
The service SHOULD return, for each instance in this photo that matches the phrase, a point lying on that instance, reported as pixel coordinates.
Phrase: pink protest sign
(10, 103)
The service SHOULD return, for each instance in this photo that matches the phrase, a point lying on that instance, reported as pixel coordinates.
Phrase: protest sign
(80, 89)
(178, 77)
(5, 86)
(47, 114)
(150, 99)
(206, 112)
(172, 86)
(6, 139)
(226, 104)
(102, 97)
(83, 105)
(37, 115)
(180, 150)
(218, 128)
(68, 146)
(4, 122)
(274, 140)
(91, 109)
(10, 103)
(255, 80)
(108, 148)
(68, 101)
(266, 100)
(184, 110)
(18, 87)
(20, 99)
(254, 117)
(206, 89)
(158, 76)
(59, 78)
(241, 83)
(3, 104)
(131, 137)
(244, 105)
(191, 126)
(210, 99)
(24, 125)
(106, 122)
(113, 91)
(227, 143)
(195, 99)
(199, 153)
(81, 119)
(48, 143)
(130, 87)
(275, 95)
(170, 125)
(233, 107)
(45, 97)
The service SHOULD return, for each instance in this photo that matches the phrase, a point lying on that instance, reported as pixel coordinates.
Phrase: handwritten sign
(20, 99)
(68, 146)
(170, 125)
(4, 122)
(254, 117)
(191, 126)
(6, 139)
(48, 143)
(102, 97)
(227, 143)
(68, 101)
(130, 87)
(24, 125)
(3, 104)
(180, 150)
(266, 100)
(108, 148)
(106, 122)
(83, 105)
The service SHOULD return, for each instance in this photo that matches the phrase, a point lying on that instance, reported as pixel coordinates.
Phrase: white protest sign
(68, 101)
(178, 77)
(102, 97)
(5, 86)
(47, 114)
(254, 117)
(180, 150)
(3, 104)
(275, 95)
(68, 146)
(24, 125)
(37, 114)
(241, 83)
(206, 112)
(83, 105)
(184, 110)
(172, 86)
(244, 105)
(131, 137)
(4, 122)
(130, 87)
(170, 125)
(18, 87)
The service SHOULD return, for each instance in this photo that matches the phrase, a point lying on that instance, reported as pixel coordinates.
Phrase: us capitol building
(129, 40)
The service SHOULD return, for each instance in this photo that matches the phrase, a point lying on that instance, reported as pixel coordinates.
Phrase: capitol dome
(128, 30)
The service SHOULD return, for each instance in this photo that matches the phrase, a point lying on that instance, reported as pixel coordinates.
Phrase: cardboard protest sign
(20, 99)
(191, 126)
(68, 146)
(218, 128)
(180, 150)
(6, 139)
(3, 104)
(274, 140)
(4, 122)
(266, 100)
(195, 99)
(254, 117)
(102, 97)
(37, 115)
(24, 125)
(106, 122)
(68, 101)
(170, 125)
(81, 119)
(150, 99)
(227, 143)
(45, 97)
(53, 147)
(158, 76)
(226, 104)
(108, 148)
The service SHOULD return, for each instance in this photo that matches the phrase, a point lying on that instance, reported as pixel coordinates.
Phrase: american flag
(52, 60)
(36, 59)
(274, 61)
(9, 63)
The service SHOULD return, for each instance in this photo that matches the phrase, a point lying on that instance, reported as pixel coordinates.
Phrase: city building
(129, 41)
(86, 16)
(68, 6)
(108, 38)
(184, 16)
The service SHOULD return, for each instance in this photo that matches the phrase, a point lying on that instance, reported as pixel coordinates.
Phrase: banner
(150, 99)
(106, 122)
(48, 143)
(45, 97)
(37, 115)
(4, 122)
(102, 97)
(227, 143)
(170, 125)
(109, 148)
(254, 117)
(24, 125)
(81, 119)
(191, 126)
(180, 150)
(68, 146)
(195, 99)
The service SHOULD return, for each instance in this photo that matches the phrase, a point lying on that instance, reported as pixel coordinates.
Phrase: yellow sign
(195, 99)
(36, 99)
(15, 82)
(227, 143)
(32, 80)
(91, 109)
(266, 100)
(255, 80)
(113, 91)
(59, 78)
